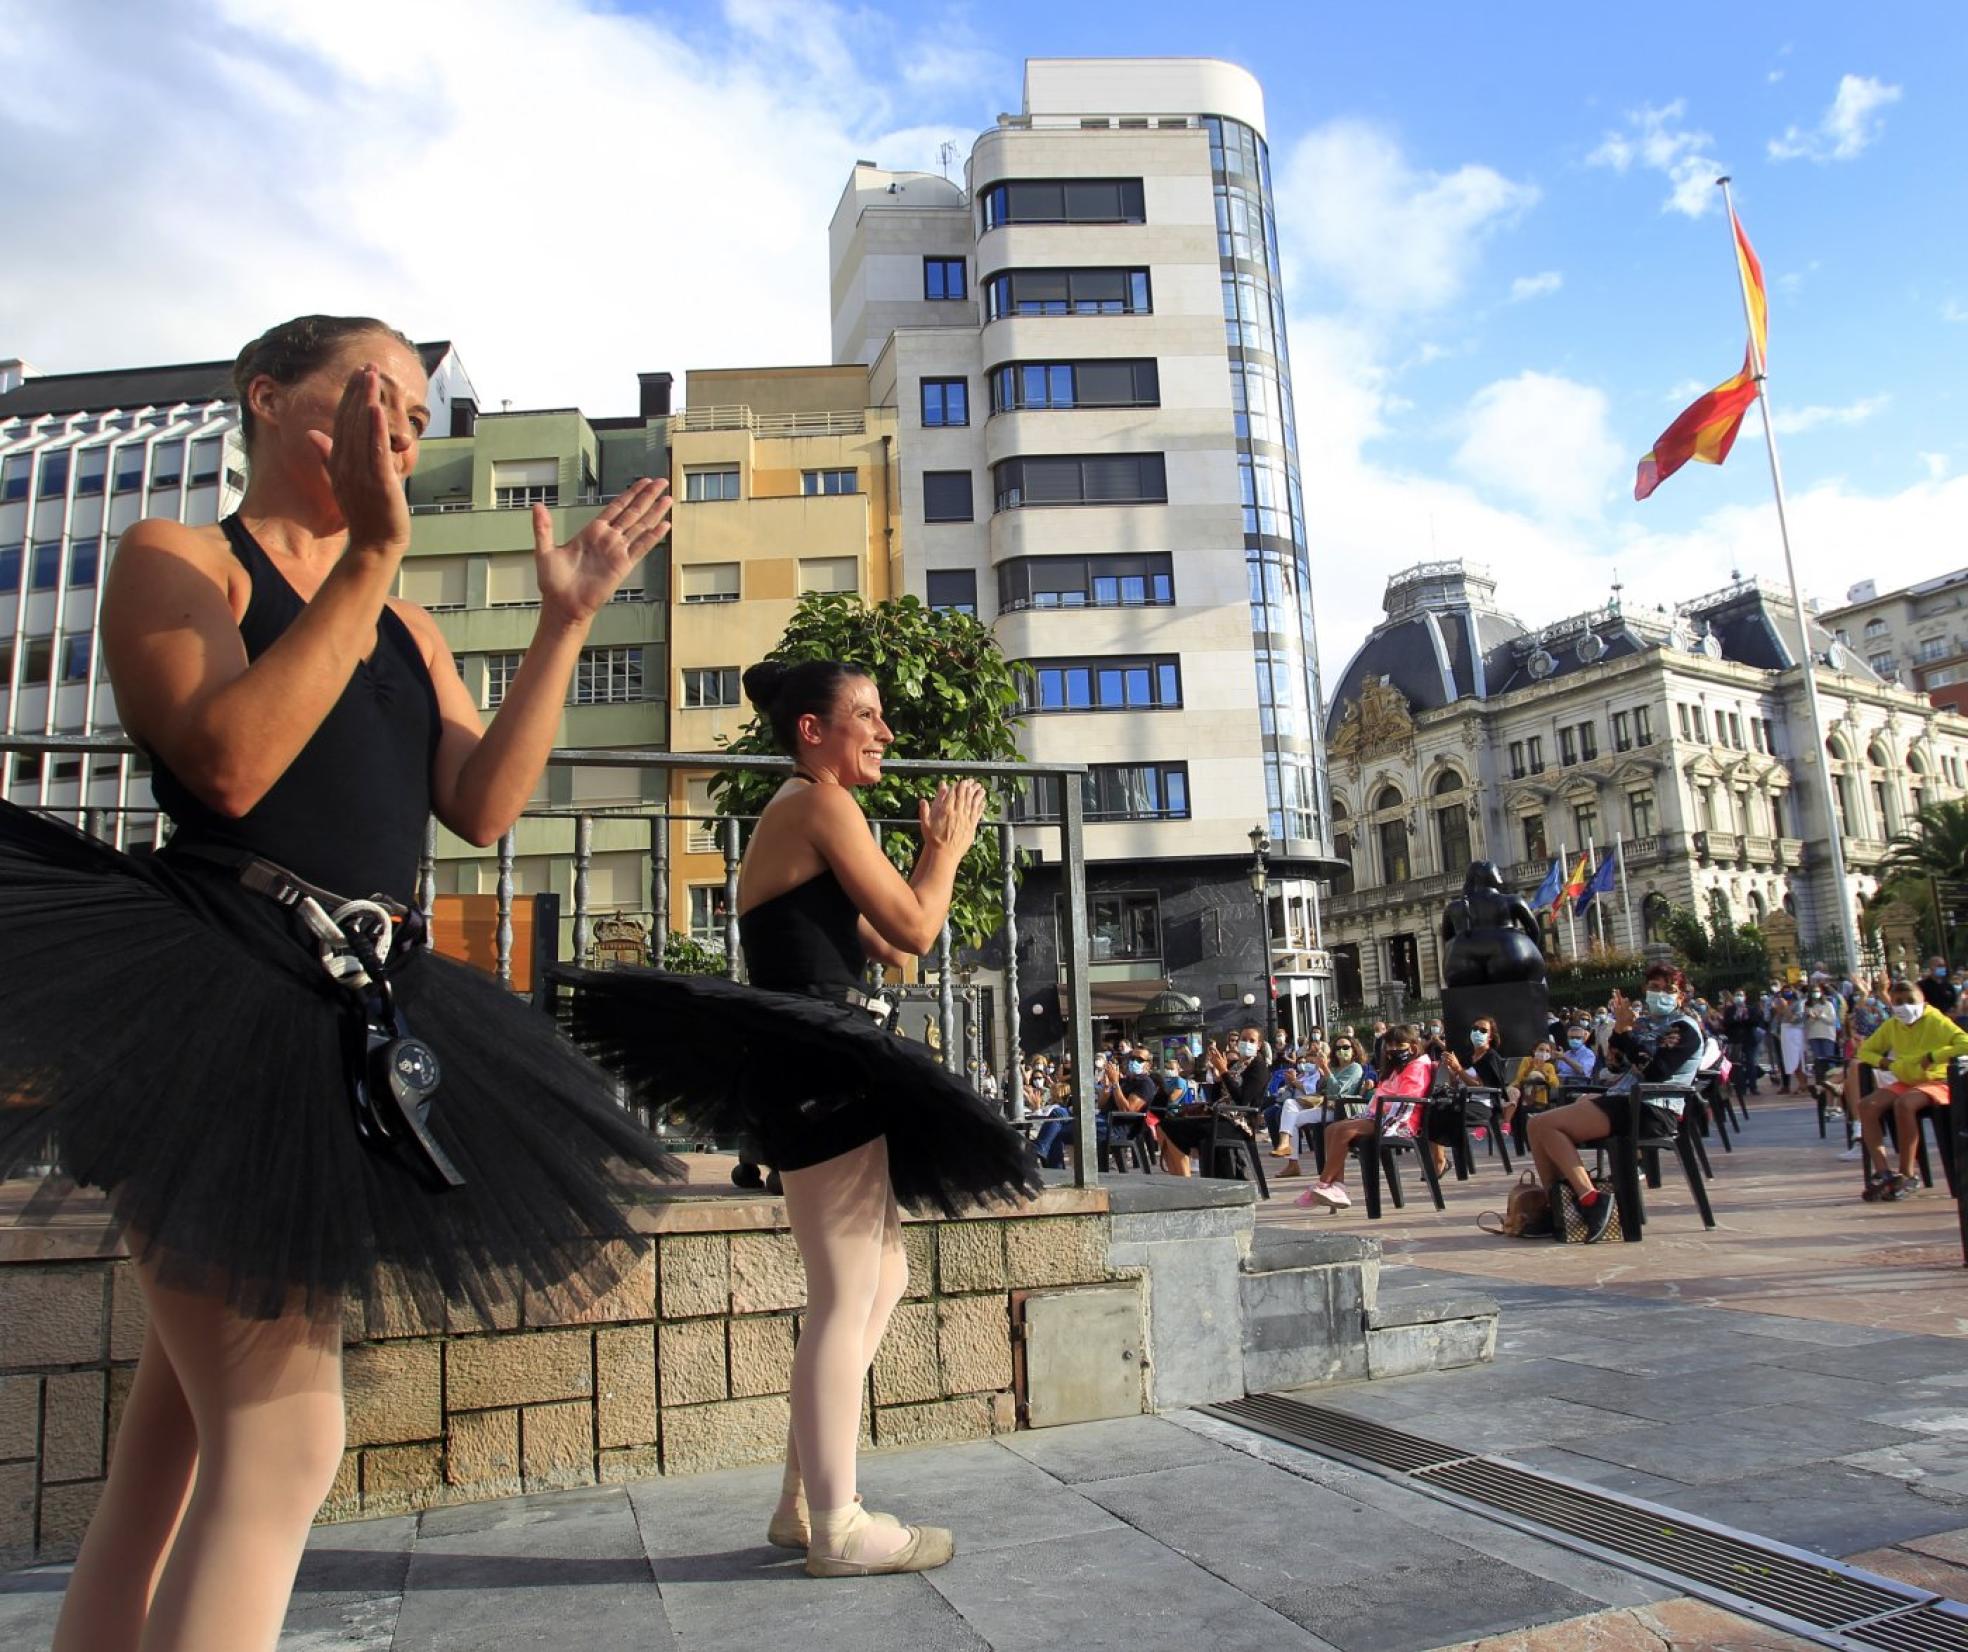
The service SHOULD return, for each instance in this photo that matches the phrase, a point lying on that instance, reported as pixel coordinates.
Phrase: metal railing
(1076, 944)
(770, 425)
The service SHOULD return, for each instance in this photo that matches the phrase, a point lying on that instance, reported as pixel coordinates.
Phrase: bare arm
(904, 913)
(184, 688)
(874, 947)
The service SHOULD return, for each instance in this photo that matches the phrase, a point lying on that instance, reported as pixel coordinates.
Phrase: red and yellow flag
(1575, 884)
(1707, 429)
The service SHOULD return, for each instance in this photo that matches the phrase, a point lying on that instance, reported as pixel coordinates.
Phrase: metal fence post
(731, 897)
(1015, 1059)
(1076, 954)
(946, 1003)
(659, 886)
(503, 935)
(583, 860)
(427, 871)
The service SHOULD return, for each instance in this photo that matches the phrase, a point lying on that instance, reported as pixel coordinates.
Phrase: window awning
(1117, 1000)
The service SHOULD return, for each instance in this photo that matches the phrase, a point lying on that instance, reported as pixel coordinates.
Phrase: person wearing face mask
(1658, 1042)
(1937, 988)
(1533, 1086)
(1742, 1030)
(1332, 1079)
(1399, 1102)
(1242, 1075)
(1791, 1049)
(1823, 1021)
(1915, 1046)
(1578, 1060)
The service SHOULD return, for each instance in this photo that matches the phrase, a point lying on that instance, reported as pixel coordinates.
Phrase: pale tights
(850, 1238)
(230, 1439)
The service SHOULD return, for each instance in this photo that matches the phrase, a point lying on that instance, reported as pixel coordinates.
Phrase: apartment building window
(1121, 382)
(608, 676)
(1640, 808)
(710, 688)
(44, 571)
(1622, 731)
(1534, 751)
(1067, 292)
(1534, 843)
(943, 278)
(1643, 726)
(10, 568)
(1141, 580)
(54, 473)
(1588, 742)
(1093, 479)
(634, 586)
(1111, 791)
(1394, 867)
(1153, 683)
(709, 581)
(707, 914)
(952, 589)
(91, 471)
(129, 468)
(1064, 201)
(826, 483)
(1585, 824)
(1931, 648)
(37, 662)
(946, 496)
(1567, 746)
(945, 402)
(521, 483)
(1883, 665)
(84, 559)
(7, 669)
(75, 657)
(167, 465)
(717, 485)
(1875, 628)
(828, 573)
(500, 669)
(1517, 769)
(205, 461)
(1269, 495)
(700, 835)
(435, 583)
(1120, 926)
(15, 472)
(1681, 716)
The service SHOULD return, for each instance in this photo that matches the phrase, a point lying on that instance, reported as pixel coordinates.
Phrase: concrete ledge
(1272, 1251)
(1137, 1195)
(1405, 1350)
(1431, 1310)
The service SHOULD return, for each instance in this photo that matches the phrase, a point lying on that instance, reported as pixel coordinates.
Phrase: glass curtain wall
(1275, 549)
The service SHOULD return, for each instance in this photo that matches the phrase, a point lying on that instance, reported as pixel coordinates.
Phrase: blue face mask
(1575, 1040)
(1137, 1066)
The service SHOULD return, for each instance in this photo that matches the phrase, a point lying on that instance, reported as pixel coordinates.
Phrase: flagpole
(1565, 899)
(1592, 878)
(1835, 828)
(1626, 894)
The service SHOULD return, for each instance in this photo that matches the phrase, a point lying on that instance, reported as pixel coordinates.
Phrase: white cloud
(1684, 391)
(1390, 237)
(1536, 286)
(1794, 421)
(1845, 129)
(1937, 465)
(1655, 140)
(1543, 440)
(570, 192)
(1954, 310)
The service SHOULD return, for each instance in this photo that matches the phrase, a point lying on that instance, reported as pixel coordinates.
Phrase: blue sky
(1495, 306)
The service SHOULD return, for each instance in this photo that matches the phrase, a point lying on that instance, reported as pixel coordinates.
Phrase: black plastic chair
(1231, 1151)
(1378, 1154)
(1468, 1109)
(1943, 1144)
(1636, 1148)
(1129, 1141)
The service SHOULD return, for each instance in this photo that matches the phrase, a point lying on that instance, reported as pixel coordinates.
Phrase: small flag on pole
(1552, 887)
(1600, 884)
(1581, 876)
(1706, 430)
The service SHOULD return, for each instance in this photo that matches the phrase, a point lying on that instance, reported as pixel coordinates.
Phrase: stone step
(1430, 1331)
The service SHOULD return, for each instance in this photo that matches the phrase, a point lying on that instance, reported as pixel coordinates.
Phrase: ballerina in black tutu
(870, 1116)
(241, 1057)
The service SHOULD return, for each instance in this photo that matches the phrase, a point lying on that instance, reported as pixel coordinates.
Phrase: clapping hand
(360, 458)
(578, 578)
(1624, 1013)
(949, 820)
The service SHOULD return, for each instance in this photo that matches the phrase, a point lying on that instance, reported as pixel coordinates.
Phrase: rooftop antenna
(1617, 588)
(946, 154)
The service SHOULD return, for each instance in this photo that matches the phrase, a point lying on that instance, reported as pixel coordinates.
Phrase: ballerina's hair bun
(784, 692)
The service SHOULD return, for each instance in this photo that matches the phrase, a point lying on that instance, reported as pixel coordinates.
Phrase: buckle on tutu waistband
(855, 999)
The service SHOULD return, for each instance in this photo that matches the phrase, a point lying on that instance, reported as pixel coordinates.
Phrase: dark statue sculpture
(1491, 935)
(1493, 964)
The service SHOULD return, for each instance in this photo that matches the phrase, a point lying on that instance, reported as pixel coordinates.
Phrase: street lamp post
(1259, 881)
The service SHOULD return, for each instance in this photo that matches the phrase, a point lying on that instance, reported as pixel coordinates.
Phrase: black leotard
(349, 812)
(808, 937)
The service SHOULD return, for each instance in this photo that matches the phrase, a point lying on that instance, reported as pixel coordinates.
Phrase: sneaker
(1598, 1216)
(1834, 1112)
(1283, 1171)
(1304, 1200)
(1900, 1187)
(1851, 1155)
(1332, 1195)
(1873, 1191)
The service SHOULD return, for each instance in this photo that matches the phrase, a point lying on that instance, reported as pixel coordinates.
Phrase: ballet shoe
(789, 1531)
(837, 1535)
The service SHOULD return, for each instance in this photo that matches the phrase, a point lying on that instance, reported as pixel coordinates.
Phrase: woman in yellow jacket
(1915, 1044)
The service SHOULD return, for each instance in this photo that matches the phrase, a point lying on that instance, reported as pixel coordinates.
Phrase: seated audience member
(1399, 1105)
(1534, 1085)
(1578, 1060)
(1660, 1043)
(1915, 1045)
(1241, 1079)
(1937, 989)
(1338, 1078)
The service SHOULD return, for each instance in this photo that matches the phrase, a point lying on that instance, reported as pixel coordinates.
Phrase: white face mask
(1479, 1038)
(1661, 1003)
(1908, 1013)
(1247, 1049)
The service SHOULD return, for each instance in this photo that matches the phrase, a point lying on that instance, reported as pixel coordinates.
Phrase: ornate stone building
(1456, 733)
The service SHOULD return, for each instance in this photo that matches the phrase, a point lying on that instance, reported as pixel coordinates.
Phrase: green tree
(1929, 857)
(948, 694)
(686, 955)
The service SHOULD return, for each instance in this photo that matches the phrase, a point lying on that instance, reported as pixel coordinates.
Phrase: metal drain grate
(1821, 1600)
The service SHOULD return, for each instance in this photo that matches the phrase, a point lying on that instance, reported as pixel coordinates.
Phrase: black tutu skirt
(168, 1038)
(786, 1068)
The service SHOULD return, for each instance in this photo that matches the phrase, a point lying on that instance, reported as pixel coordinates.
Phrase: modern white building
(1916, 635)
(82, 456)
(1085, 341)
(1457, 733)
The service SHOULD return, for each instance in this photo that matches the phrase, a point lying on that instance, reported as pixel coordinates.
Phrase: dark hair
(288, 353)
(785, 691)
(1668, 973)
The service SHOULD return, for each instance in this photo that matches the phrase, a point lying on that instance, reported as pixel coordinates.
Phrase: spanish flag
(1707, 429)
(1575, 884)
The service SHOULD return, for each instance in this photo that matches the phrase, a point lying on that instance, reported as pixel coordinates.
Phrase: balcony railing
(1075, 941)
(771, 425)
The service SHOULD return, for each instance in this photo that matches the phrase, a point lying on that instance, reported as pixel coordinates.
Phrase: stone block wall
(681, 1368)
